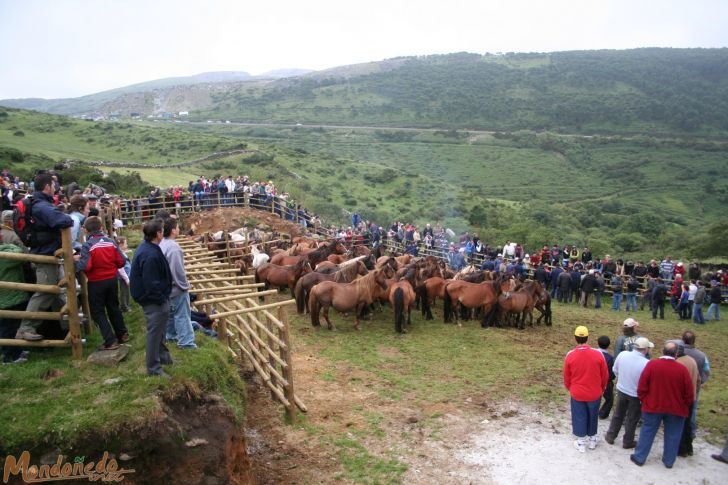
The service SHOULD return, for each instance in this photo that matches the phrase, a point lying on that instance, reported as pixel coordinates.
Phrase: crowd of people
(661, 391)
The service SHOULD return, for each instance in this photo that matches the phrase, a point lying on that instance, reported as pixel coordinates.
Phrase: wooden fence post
(285, 353)
(74, 323)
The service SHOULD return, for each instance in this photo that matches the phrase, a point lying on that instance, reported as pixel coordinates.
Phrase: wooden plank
(11, 285)
(227, 289)
(13, 342)
(253, 309)
(33, 258)
(74, 322)
(21, 314)
(288, 370)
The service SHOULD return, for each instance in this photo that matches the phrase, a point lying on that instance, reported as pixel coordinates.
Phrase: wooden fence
(66, 285)
(251, 329)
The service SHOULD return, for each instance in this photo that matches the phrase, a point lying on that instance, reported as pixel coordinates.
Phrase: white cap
(631, 322)
(643, 343)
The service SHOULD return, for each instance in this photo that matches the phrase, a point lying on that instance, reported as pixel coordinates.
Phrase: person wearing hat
(586, 377)
(588, 284)
(628, 337)
(666, 393)
(628, 367)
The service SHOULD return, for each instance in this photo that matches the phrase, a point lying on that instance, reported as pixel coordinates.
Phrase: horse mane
(365, 285)
(348, 273)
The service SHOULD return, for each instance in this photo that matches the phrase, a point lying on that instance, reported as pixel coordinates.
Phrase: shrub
(19, 133)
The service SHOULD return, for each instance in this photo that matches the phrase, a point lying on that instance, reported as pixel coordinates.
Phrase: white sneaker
(592, 442)
(579, 445)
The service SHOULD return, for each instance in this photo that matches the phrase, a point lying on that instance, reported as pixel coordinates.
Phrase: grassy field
(52, 399)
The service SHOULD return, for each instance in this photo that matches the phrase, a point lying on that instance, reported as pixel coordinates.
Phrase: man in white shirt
(628, 368)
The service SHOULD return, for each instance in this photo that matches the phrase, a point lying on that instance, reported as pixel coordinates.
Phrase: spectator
(632, 286)
(7, 233)
(715, 300)
(151, 284)
(585, 376)
(666, 394)
(688, 337)
(17, 300)
(625, 342)
(698, 301)
(124, 276)
(46, 239)
(608, 395)
(101, 259)
(628, 367)
(78, 210)
(616, 292)
(667, 267)
(659, 293)
(686, 440)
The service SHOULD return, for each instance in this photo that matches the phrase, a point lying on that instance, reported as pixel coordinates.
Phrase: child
(606, 408)
(123, 276)
(100, 259)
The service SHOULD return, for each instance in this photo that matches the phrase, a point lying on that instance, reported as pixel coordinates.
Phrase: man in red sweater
(586, 377)
(666, 392)
(101, 259)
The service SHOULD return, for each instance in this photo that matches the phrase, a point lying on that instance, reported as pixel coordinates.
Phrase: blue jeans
(179, 324)
(616, 301)
(698, 313)
(694, 414)
(598, 299)
(713, 308)
(585, 416)
(631, 302)
(673, 433)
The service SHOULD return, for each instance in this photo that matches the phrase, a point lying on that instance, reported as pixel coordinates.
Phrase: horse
(428, 291)
(347, 274)
(280, 276)
(337, 258)
(314, 257)
(402, 298)
(543, 304)
(344, 296)
(470, 295)
(259, 257)
(519, 302)
(326, 267)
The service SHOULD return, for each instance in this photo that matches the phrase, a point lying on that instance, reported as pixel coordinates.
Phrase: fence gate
(249, 325)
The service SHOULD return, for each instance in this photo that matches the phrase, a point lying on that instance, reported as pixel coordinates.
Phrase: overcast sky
(66, 48)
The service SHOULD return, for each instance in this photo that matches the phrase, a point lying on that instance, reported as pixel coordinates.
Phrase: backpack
(23, 221)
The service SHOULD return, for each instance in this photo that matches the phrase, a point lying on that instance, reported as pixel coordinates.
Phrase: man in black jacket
(588, 284)
(658, 299)
(151, 284)
(45, 240)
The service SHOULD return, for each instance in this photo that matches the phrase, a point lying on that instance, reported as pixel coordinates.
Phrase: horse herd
(321, 275)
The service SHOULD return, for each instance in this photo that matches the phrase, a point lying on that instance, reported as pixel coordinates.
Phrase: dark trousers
(646, 299)
(686, 442)
(608, 400)
(683, 310)
(584, 416)
(563, 294)
(103, 298)
(157, 353)
(658, 304)
(8, 329)
(627, 411)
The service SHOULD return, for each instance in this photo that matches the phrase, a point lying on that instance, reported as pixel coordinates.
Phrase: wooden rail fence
(66, 285)
(250, 329)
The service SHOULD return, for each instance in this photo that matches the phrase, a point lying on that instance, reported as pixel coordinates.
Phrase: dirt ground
(234, 217)
(469, 441)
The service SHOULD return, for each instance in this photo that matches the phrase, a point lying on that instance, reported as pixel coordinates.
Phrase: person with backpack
(40, 230)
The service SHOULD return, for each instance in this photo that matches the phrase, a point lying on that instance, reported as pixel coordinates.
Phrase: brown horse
(281, 276)
(327, 267)
(314, 257)
(402, 298)
(470, 295)
(347, 274)
(429, 291)
(519, 302)
(337, 258)
(344, 296)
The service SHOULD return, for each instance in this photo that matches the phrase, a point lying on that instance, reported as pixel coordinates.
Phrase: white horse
(259, 257)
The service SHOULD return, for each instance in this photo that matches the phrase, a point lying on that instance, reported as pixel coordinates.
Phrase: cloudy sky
(65, 48)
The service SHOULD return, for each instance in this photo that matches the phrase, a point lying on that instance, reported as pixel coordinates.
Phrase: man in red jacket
(586, 377)
(101, 259)
(666, 392)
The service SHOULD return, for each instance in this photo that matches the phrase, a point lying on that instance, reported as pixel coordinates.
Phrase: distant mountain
(653, 91)
(149, 97)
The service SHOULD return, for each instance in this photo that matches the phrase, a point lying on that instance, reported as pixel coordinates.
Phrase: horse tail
(447, 307)
(398, 309)
(313, 307)
(300, 296)
(548, 312)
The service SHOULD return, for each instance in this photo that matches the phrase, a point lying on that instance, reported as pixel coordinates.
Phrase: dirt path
(465, 441)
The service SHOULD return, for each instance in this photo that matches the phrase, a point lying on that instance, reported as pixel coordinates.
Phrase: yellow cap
(581, 331)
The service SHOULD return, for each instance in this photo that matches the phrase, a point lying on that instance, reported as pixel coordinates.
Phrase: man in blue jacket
(45, 240)
(151, 284)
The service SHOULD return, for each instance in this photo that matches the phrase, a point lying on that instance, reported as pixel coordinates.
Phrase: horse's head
(381, 279)
(361, 268)
(338, 248)
(506, 286)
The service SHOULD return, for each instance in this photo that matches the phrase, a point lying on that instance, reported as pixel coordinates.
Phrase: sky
(68, 48)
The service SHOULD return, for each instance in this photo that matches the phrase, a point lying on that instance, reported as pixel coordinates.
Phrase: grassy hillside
(634, 196)
(641, 90)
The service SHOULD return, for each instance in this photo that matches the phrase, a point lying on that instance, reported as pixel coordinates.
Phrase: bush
(19, 133)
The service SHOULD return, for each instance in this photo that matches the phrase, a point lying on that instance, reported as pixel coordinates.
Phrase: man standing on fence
(46, 222)
(179, 326)
(151, 284)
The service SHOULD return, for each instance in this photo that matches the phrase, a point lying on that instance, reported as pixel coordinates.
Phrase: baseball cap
(643, 343)
(581, 331)
(631, 322)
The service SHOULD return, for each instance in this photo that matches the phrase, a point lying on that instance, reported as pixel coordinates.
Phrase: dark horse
(347, 274)
(471, 295)
(402, 298)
